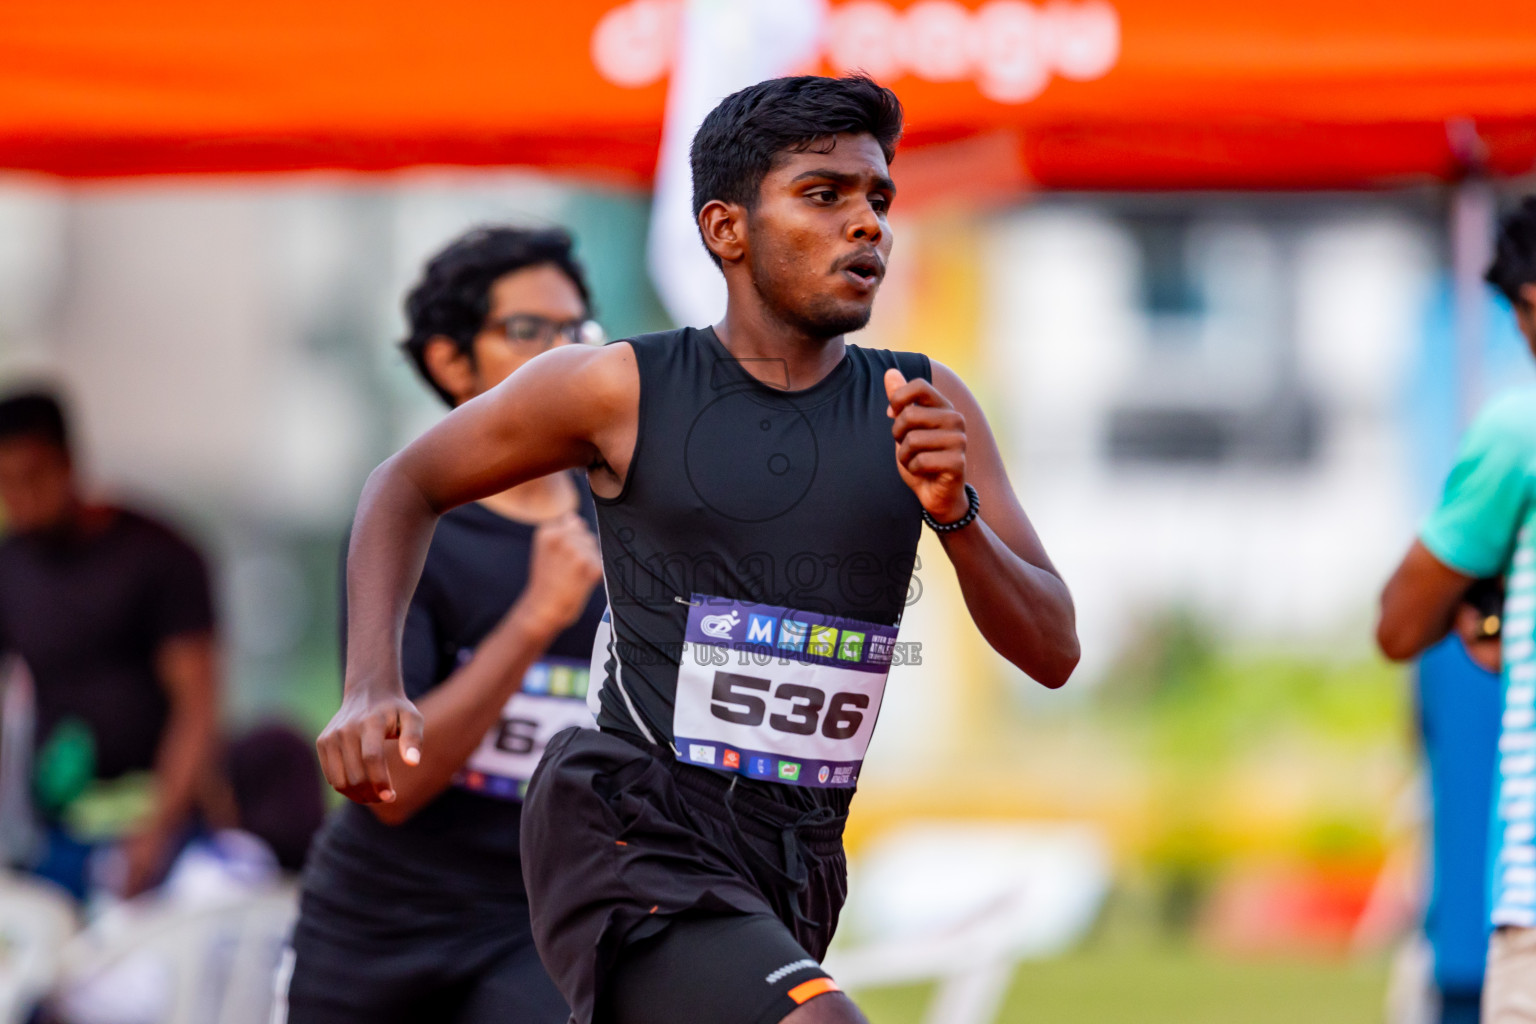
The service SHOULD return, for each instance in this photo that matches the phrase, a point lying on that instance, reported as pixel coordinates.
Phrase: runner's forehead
(544, 290)
(852, 157)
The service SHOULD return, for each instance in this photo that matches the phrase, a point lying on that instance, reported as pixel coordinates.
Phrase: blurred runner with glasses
(415, 910)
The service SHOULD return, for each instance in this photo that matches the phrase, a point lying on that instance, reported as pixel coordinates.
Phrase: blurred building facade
(1208, 409)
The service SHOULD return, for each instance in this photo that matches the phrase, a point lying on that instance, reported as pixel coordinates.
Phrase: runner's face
(542, 291)
(818, 236)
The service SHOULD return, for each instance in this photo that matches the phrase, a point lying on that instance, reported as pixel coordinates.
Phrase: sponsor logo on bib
(792, 635)
(823, 641)
(880, 648)
(720, 626)
(701, 753)
(760, 629)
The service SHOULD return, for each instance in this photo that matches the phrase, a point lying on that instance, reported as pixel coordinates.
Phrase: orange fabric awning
(1084, 93)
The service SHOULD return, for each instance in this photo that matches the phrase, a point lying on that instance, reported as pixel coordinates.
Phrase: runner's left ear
(723, 226)
(451, 367)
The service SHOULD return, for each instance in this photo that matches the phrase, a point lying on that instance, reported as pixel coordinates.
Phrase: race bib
(775, 693)
(553, 698)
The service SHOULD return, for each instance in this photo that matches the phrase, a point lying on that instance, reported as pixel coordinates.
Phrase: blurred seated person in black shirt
(110, 612)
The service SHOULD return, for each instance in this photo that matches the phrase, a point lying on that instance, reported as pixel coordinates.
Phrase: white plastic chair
(37, 919)
(962, 903)
(161, 964)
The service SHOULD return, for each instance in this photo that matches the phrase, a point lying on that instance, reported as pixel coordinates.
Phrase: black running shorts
(661, 886)
(404, 964)
(736, 969)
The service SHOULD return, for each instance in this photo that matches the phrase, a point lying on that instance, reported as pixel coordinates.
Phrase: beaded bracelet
(971, 513)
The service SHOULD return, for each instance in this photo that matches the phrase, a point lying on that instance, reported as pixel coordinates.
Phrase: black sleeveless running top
(744, 491)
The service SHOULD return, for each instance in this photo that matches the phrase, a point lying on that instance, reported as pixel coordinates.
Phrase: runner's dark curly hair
(742, 138)
(453, 297)
(1514, 253)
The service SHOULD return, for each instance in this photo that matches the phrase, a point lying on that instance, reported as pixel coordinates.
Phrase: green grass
(1149, 984)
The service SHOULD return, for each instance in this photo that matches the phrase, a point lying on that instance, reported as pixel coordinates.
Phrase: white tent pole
(724, 45)
(1472, 224)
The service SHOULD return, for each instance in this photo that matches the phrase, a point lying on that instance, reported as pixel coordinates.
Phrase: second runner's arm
(572, 406)
(1012, 590)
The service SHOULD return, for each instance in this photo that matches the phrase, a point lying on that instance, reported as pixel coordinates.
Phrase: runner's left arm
(1015, 595)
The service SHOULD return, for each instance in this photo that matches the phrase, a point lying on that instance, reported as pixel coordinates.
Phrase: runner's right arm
(572, 406)
(458, 713)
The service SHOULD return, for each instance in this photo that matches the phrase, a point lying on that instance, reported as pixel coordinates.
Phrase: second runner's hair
(453, 297)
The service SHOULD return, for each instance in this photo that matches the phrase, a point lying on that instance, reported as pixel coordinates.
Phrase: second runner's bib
(775, 693)
(553, 697)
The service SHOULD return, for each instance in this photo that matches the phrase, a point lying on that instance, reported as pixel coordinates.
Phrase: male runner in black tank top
(761, 487)
(415, 910)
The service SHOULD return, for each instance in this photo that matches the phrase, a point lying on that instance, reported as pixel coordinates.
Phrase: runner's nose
(865, 225)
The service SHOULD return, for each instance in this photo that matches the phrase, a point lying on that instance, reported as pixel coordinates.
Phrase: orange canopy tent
(1098, 94)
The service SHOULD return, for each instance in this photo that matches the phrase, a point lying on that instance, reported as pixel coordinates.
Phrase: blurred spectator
(111, 613)
(1485, 526)
(276, 790)
(222, 893)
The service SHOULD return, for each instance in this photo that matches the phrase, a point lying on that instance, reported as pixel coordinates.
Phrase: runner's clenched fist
(351, 748)
(566, 566)
(930, 445)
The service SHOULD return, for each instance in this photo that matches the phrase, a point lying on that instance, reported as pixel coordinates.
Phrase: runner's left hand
(930, 445)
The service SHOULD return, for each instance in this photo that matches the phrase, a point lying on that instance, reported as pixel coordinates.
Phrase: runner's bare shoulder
(592, 393)
(604, 376)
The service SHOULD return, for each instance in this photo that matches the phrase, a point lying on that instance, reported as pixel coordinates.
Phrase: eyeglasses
(537, 333)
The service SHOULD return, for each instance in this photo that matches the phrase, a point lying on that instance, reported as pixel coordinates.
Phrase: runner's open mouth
(866, 269)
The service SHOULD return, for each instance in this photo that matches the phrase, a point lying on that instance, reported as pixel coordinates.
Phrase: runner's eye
(524, 329)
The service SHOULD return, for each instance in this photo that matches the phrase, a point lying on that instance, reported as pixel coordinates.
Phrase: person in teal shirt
(1485, 527)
